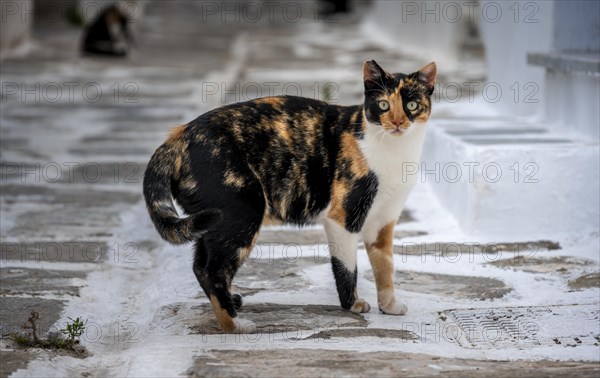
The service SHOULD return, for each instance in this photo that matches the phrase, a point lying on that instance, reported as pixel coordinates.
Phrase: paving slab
(331, 363)
(46, 212)
(558, 264)
(471, 287)
(12, 360)
(591, 280)
(526, 327)
(495, 248)
(17, 281)
(75, 251)
(14, 312)
(270, 318)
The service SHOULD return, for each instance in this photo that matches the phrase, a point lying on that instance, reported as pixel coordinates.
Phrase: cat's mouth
(397, 131)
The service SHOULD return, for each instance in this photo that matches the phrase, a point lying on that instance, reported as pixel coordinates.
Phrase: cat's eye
(412, 105)
(384, 105)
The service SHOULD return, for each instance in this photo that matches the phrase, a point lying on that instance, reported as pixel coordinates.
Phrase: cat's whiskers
(376, 90)
(382, 131)
(375, 126)
(412, 88)
(381, 85)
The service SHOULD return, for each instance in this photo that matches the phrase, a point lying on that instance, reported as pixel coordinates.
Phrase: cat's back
(294, 119)
(264, 109)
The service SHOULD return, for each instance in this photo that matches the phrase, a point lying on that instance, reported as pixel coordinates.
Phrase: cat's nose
(398, 122)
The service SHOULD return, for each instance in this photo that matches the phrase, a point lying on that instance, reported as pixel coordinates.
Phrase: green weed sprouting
(74, 330)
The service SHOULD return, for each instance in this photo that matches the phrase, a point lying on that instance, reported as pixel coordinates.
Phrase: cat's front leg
(381, 256)
(342, 247)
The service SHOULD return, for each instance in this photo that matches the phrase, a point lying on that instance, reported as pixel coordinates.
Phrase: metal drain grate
(570, 325)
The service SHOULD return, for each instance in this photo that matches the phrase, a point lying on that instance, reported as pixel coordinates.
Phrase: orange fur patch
(274, 101)
(380, 255)
(243, 253)
(225, 321)
(233, 180)
(281, 128)
(271, 221)
(176, 134)
(178, 163)
(189, 184)
(351, 151)
(358, 119)
(337, 212)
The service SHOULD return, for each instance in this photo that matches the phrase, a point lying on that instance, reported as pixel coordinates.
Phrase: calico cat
(109, 34)
(295, 160)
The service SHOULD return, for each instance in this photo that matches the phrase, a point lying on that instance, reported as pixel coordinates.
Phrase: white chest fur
(392, 158)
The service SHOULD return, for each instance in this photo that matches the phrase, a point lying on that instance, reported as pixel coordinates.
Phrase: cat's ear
(373, 74)
(427, 75)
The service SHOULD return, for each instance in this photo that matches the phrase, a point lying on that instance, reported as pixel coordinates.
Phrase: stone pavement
(76, 134)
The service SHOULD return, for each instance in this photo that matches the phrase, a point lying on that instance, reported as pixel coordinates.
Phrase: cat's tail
(159, 202)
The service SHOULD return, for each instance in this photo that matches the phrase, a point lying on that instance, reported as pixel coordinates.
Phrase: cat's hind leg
(242, 255)
(342, 248)
(381, 256)
(219, 254)
(215, 271)
(221, 179)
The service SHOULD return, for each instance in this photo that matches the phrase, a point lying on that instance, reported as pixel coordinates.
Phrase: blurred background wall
(15, 27)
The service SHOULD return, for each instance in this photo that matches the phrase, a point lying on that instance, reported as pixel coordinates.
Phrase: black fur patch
(345, 281)
(359, 201)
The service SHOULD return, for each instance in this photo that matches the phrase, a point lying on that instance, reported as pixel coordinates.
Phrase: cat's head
(397, 101)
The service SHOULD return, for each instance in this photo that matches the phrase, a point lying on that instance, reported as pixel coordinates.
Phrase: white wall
(573, 97)
(510, 30)
(577, 25)
(514, 191)
(16, 19)
(429, 29)
(572, 103)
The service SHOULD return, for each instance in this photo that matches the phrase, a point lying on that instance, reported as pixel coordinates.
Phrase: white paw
(244, 326)
(393, 308)
(360, 306)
